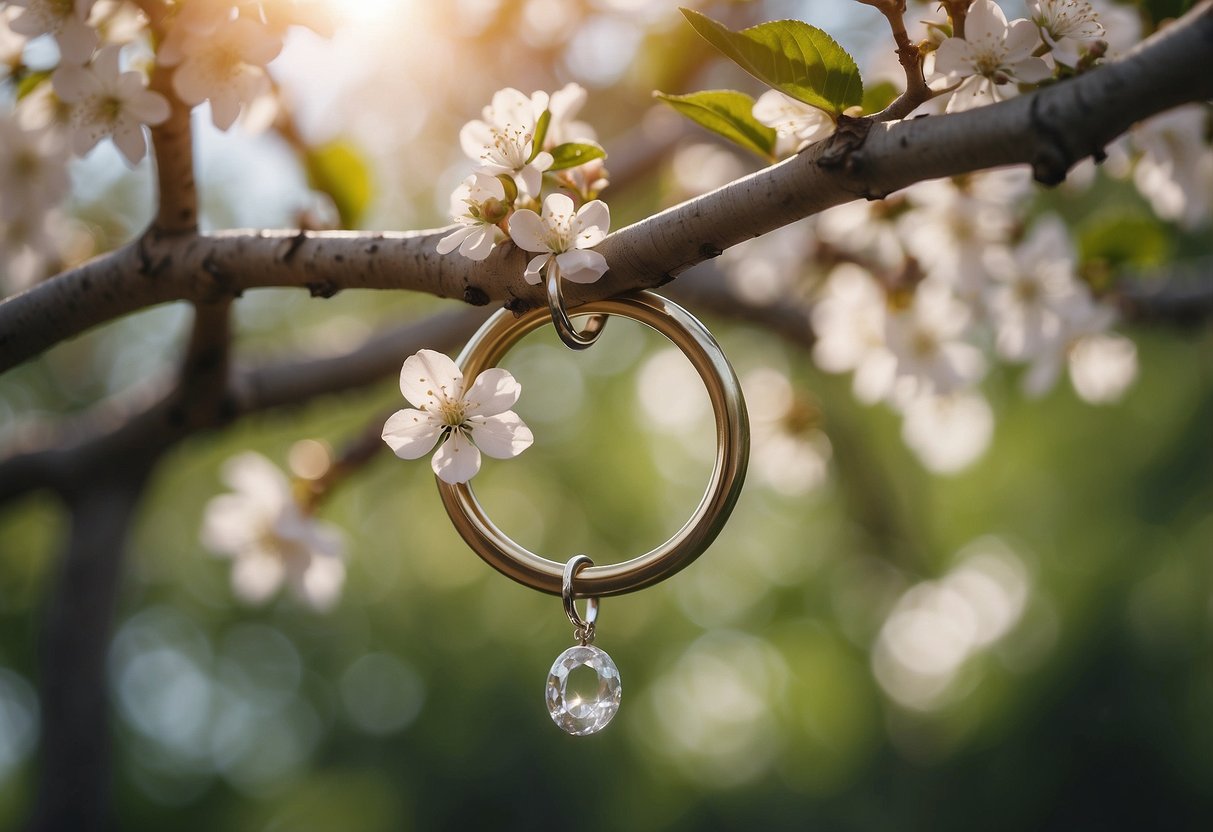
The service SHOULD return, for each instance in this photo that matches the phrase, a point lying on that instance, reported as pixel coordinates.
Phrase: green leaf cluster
(799, 60)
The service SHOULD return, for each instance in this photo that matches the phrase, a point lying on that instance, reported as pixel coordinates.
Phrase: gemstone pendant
(583, 690)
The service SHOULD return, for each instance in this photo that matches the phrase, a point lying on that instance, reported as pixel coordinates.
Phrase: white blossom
(271, 540)
(1065, 25)
(109, 103)
(992, 56)
(564, 235)
(950, 225)
(1102, 365)
(849, 321)
(947, 433)
(862, 228)
(33, 170)
(67, 20)
(770, 269)
(466, 421)
(29, 248)
(926, 339)
(1032, 291)
(224, 63)
(796, 124)
(1175, 171)
(564, 105)
(477, 205)
(503, 141)
(788, 453)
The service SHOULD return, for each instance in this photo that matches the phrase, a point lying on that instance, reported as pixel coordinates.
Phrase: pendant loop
(583, 628)
(560, 318)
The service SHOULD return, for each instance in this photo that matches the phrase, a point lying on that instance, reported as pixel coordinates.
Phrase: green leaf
(878, 96)
(31, 82)
(541, 133)
(339, 169)
(572, 154)
(1120, 239)
(793, 57)
(727, 113)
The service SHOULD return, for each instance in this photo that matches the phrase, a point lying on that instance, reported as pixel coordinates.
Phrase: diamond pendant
(583, 689)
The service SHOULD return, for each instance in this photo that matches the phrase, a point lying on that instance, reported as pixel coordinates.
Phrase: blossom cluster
(97, 90)
(518, 142)
(918, 294)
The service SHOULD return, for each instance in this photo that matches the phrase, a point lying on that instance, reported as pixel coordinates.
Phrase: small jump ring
(583, 628)
(560, 318)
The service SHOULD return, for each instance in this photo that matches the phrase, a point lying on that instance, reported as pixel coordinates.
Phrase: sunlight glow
(366, 11)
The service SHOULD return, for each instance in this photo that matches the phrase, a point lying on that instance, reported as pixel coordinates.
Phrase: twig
(916, 92)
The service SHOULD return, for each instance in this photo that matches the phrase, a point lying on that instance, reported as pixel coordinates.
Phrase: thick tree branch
(153, 417)
(1049, 130)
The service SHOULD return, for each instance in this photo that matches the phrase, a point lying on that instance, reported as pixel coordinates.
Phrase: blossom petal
(591, 224)
(319, 583)
(478, 244)
(229, 524)
(530, 178)
(494, 391)
(257, 576)
(257, 479)
(557, 205)
(457, 460)
(149, 107)
(985, 21)
(429, 378)
(76, 40)
(1031, 70)
(411, 433)
(954, 58)
(503, 436)
(528, 231)
(225, 108)
(535, 267)
(580, 266)
(1022, 39)
(455, 239)
(474, 137)
(975, 91)
(130, 142)
(542, 161)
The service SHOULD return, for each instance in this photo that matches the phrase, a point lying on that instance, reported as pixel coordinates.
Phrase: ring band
(560, 318)
(491, 343)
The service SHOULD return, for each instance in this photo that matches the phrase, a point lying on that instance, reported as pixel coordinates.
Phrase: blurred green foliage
(271, 719)
(750, 699)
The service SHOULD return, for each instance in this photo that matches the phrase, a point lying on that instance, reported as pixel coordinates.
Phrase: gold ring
(491, 343)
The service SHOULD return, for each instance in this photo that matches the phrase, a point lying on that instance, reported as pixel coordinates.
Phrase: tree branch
(1049, 130)
(153, 417)
(177, 190)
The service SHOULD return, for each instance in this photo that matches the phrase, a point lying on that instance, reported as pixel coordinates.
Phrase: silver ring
(560, 318)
